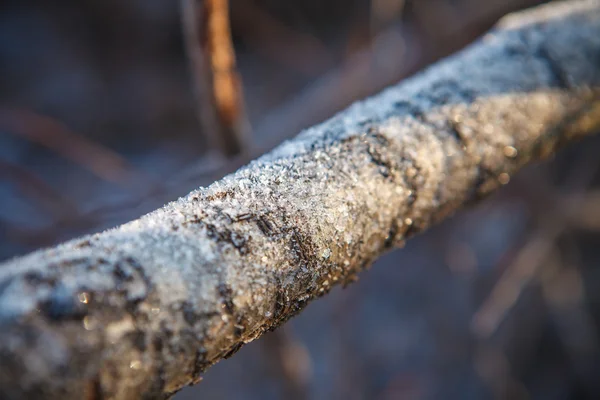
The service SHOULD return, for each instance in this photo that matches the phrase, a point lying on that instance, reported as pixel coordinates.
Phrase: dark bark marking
(389, 240)
(559, 76)
(264, 225)
(376, 145)
(62, 305)
(234, 349)
(242, 217)
(225, 235)
(138, 338)
(226, 297)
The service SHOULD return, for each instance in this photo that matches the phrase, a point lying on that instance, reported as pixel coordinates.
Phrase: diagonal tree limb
(143, 309)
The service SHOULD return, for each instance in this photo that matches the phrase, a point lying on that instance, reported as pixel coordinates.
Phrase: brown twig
(216, 81)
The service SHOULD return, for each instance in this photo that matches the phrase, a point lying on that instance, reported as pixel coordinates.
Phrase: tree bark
(141, 310)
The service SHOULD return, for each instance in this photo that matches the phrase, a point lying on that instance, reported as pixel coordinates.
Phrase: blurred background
(101, 120)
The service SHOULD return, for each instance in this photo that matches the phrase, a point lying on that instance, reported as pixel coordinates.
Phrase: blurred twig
(38, 190)
(384, 12)
(587, 216)
(534, 259)
(390, 57)
(563, 291)
(289, 362)
(45, 131)
(215, 78)
(271, 37)
(536, 249)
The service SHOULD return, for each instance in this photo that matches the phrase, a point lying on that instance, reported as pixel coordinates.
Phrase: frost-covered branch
(143, 309)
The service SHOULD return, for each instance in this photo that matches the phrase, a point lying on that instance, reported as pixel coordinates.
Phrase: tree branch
(216, 81)
(143, 309)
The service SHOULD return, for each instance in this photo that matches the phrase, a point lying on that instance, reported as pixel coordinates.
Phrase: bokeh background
(99, 124)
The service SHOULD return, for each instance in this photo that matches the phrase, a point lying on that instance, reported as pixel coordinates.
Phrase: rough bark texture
(143, 309)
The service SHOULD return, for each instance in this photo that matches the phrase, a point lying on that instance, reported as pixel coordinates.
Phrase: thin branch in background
(99, 160)
(290, 363)
(35, 188)
(538, 259)
(534, 252)
(514, 280)
(563, 291)
(269, 36)
(109, 214)
(469, 18)
(361, 75)
(217, 83)
(391, 58)
(110, 166)
(384, 13)
(495, 370)
(587, 216)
